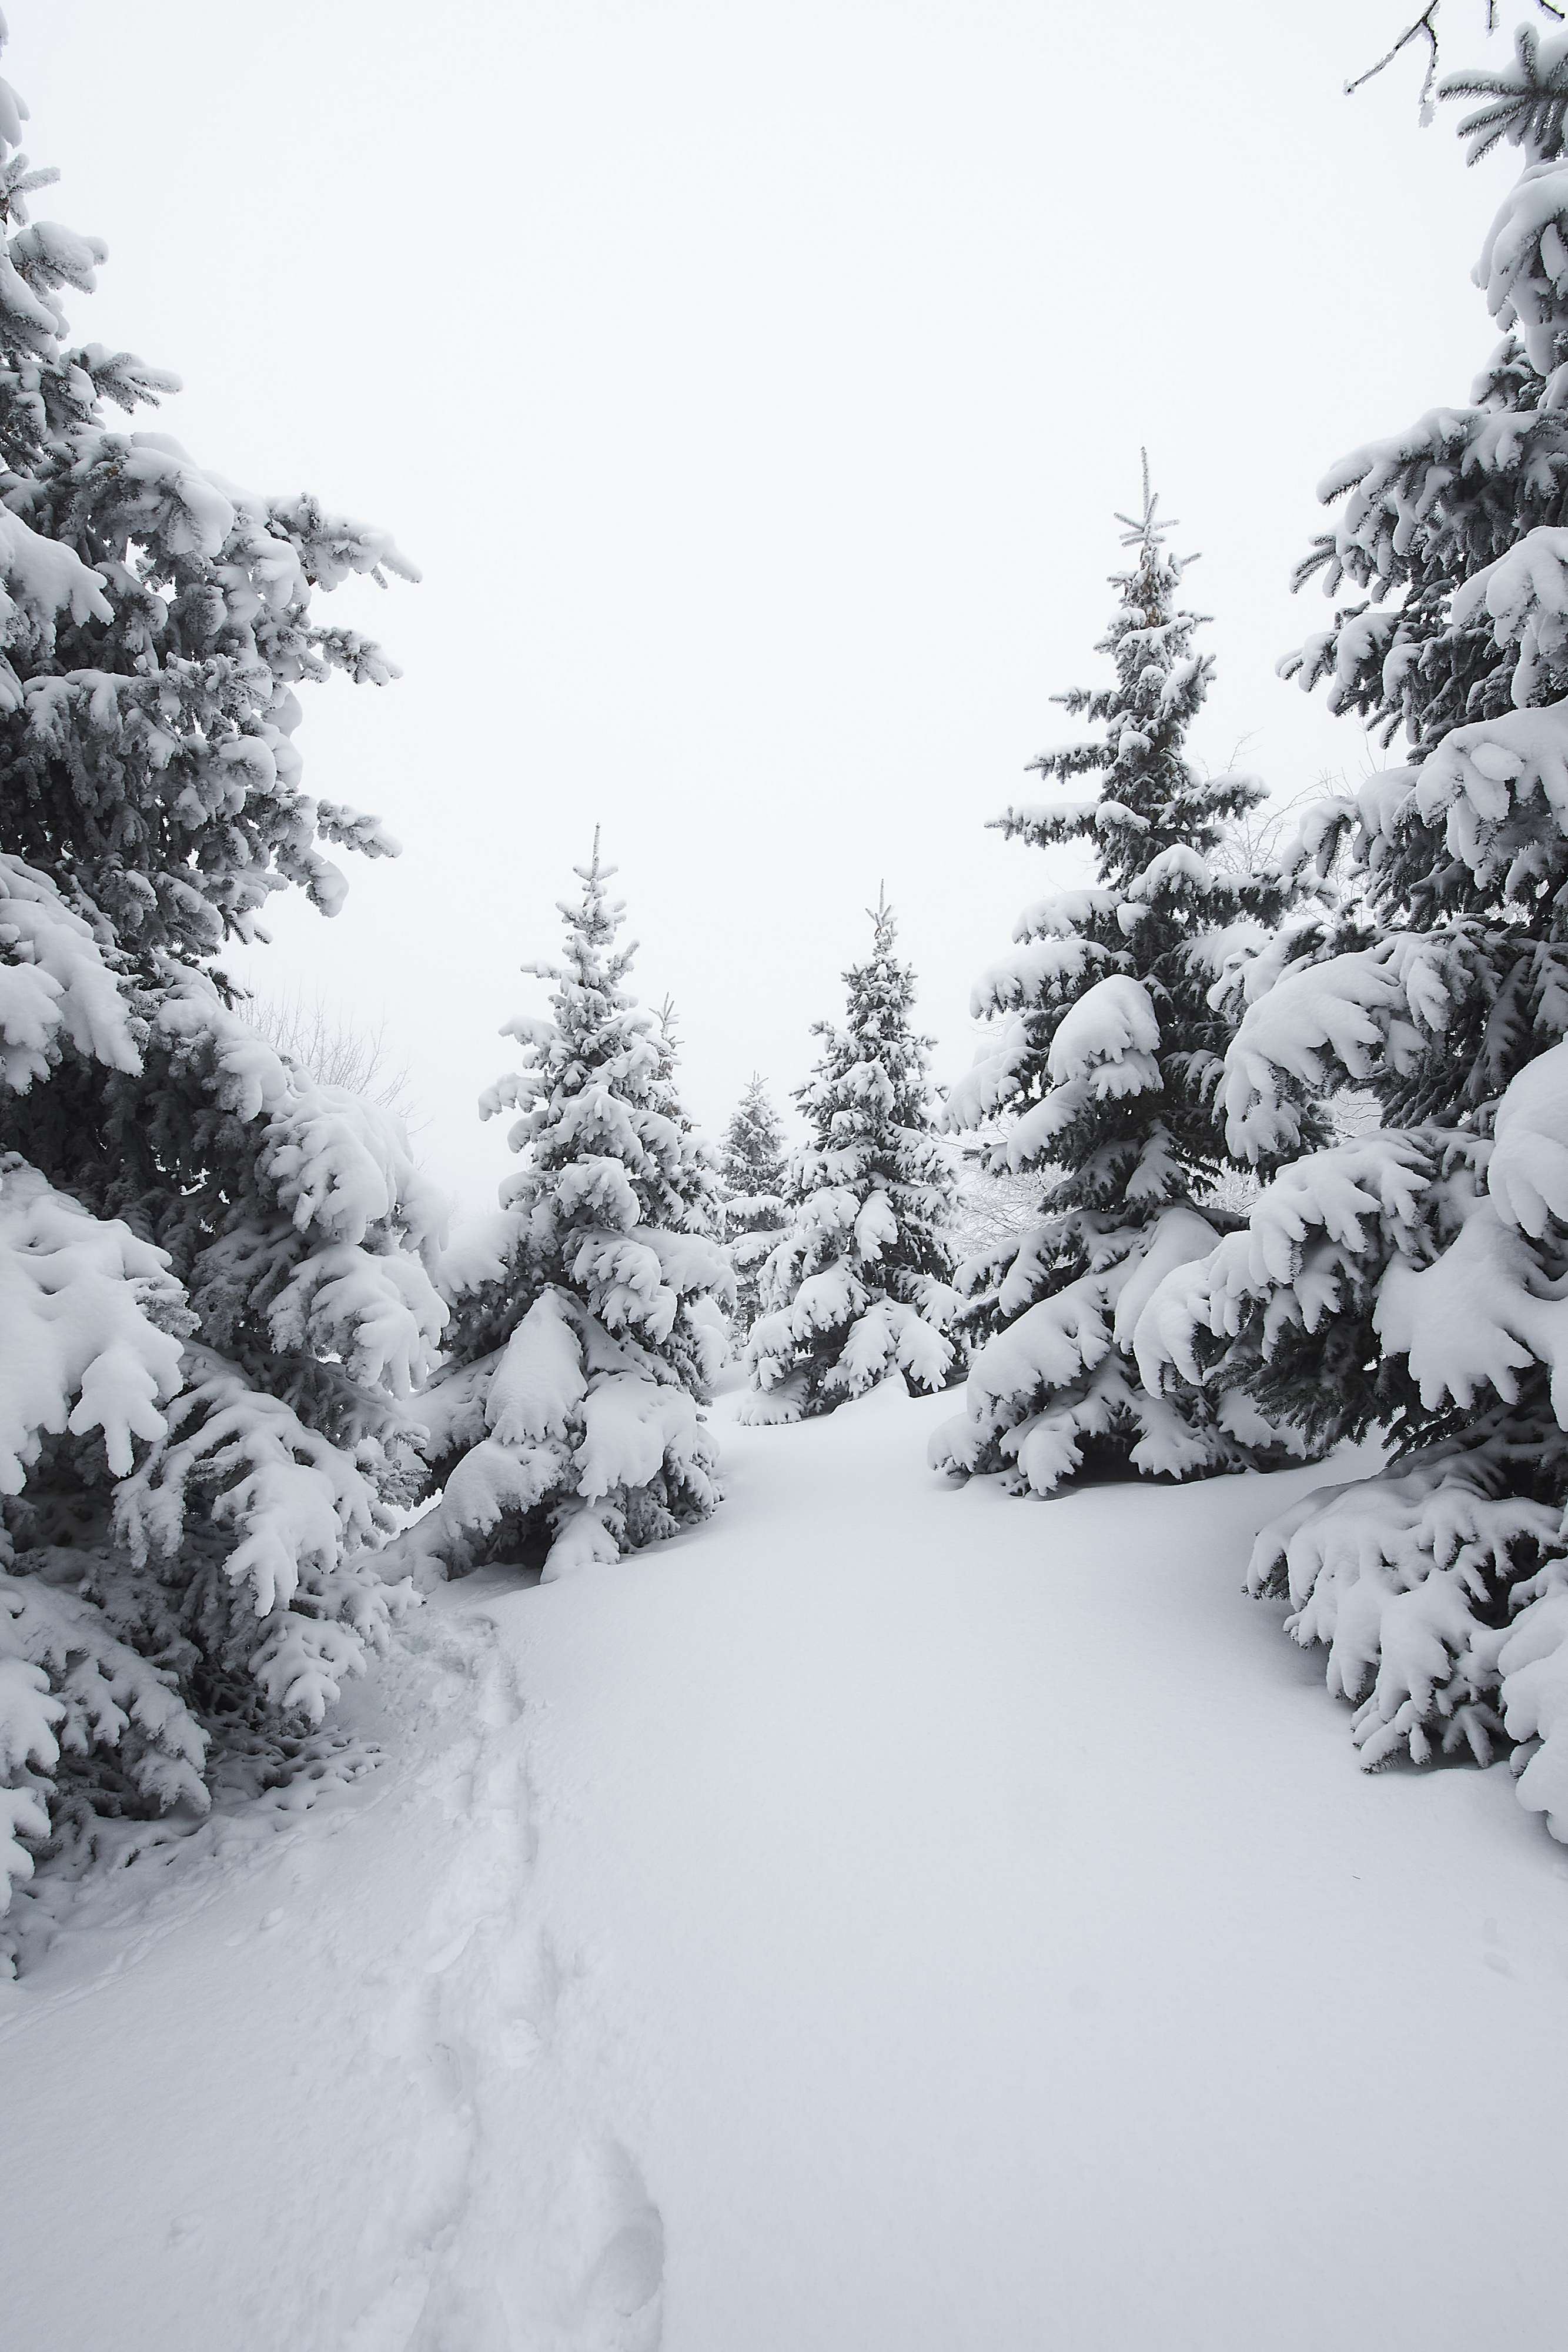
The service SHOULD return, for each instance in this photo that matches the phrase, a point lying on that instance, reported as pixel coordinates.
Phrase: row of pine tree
(250, 1394)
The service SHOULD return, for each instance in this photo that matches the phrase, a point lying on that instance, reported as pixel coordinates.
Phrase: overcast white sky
(753, 381)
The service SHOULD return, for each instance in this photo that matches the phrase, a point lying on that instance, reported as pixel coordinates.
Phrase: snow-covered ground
(890, 1918)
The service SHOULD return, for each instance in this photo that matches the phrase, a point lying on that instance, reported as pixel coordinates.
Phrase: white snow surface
(889, 1915)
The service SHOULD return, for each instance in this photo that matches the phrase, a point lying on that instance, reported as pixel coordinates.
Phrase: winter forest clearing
(881, 1918)
(612, 1740)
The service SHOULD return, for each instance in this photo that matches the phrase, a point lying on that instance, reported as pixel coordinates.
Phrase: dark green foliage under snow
(213, 1299)
(1410, 1278)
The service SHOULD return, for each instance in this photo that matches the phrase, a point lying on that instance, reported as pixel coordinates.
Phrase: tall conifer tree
(214, 1290)
(859, 1285)
(1106, 1055)
(566, 1429)
(1410, 1279)
(755, 1174)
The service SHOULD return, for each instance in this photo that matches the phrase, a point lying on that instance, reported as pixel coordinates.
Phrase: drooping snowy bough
(215, 1294)
(1412, 1279)
(861, 1286)
(1109, 1023)
(567, 1428)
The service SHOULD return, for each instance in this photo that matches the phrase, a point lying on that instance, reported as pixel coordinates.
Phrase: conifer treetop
(1145, 530)
(155, 621)
(591, 959)
(754, 1143)
(615, 1198)
(1107, 1042)
(1152, 799)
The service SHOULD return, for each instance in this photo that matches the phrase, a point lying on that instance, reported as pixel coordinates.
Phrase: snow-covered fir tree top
(613, 1194)
(566, 1429)
(1107, 1047)
(154, 622)
(867, 1102)
(752, 1160)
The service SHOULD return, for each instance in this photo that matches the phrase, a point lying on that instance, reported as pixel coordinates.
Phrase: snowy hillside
(886, 1916)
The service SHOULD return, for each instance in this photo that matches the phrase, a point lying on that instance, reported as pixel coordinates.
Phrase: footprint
(518, 2043)
(620, 2304)
(630, 2272)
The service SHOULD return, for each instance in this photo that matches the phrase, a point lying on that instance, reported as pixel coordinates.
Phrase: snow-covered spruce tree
(212, 1296)
(860, 1286)
(753, 1169)
(566, 1429)
(1411, 1279)
(1105, 1055)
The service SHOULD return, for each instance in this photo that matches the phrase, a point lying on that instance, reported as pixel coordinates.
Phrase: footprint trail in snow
(516, 2222)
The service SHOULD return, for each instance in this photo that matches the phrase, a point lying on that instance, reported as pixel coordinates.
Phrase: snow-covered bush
(567, 1428)
(1410, 1279)
(214, 1303)
(753, 1172)
(1099, 1072)
(860, 1286)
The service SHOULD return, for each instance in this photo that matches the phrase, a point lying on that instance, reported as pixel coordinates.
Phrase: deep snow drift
(889, 1916)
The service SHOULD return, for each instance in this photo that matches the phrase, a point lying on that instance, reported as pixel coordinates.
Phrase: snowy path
(889, 1917)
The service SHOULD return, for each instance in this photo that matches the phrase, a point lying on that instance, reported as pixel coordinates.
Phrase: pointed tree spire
(1145, 530)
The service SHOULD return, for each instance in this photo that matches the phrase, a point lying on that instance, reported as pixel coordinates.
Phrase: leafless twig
(1425, 29)
(334, 1050)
